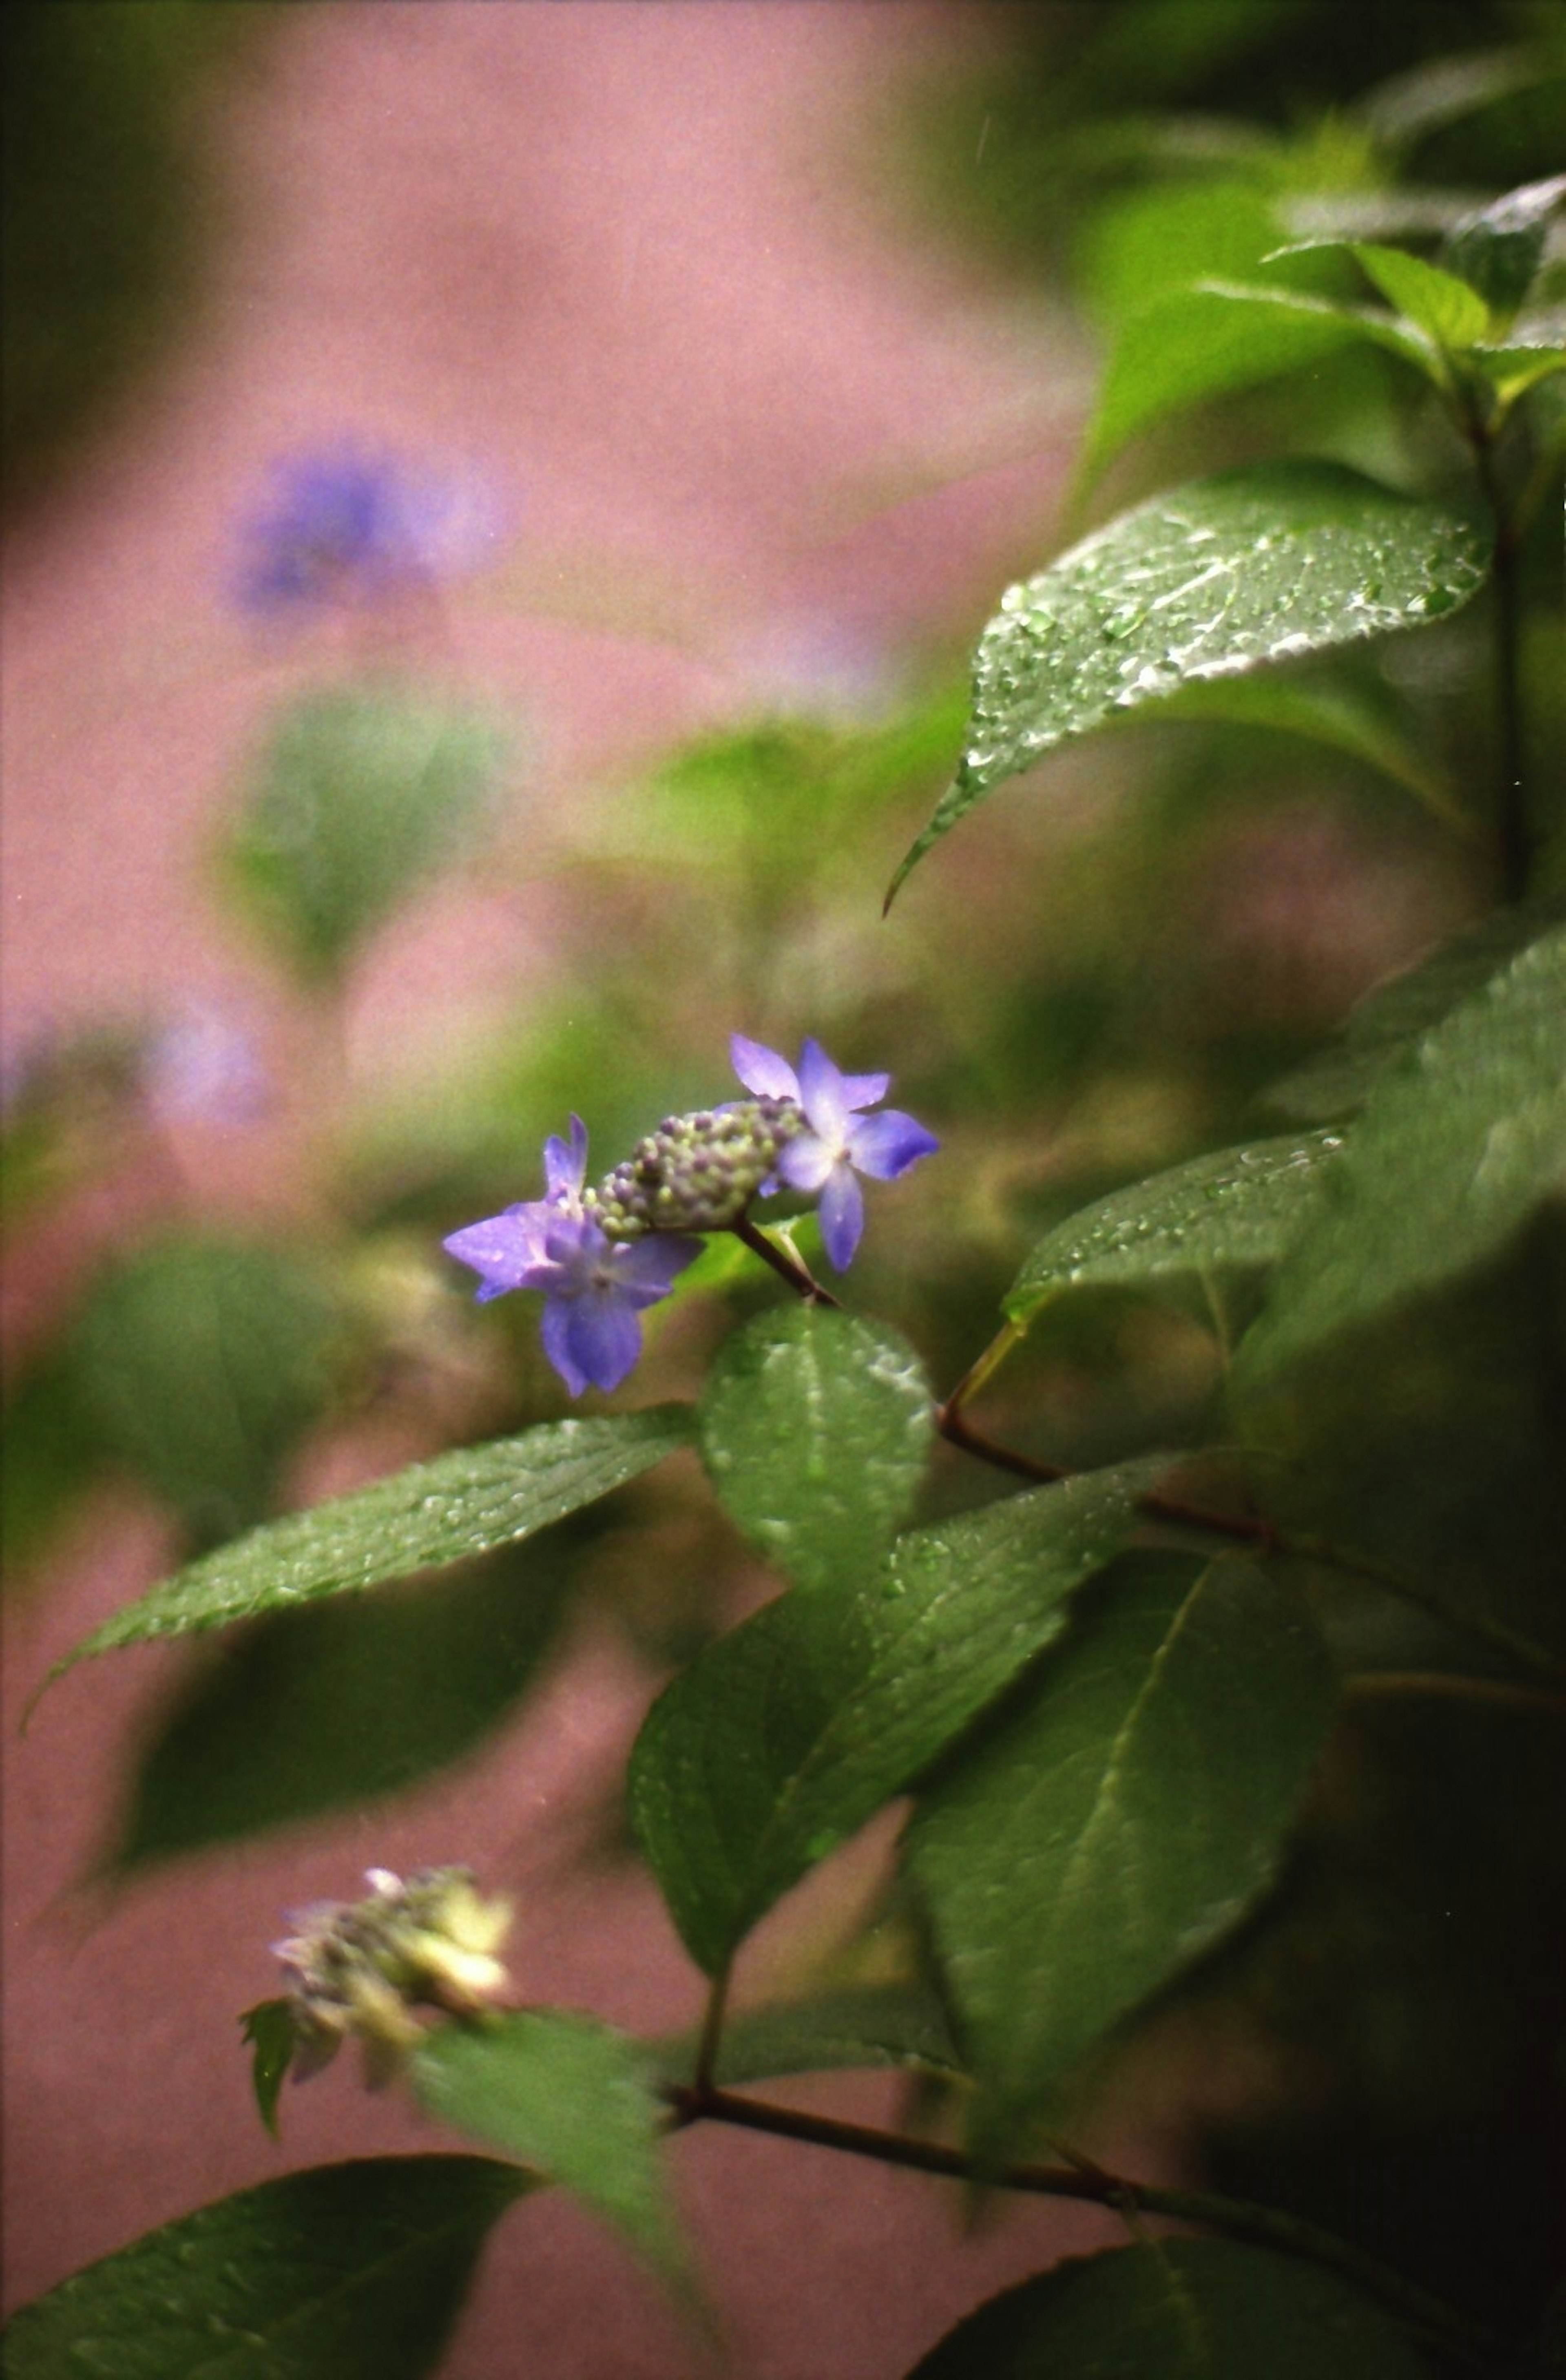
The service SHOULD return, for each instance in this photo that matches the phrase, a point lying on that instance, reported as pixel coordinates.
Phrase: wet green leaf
(1234, 1211)
(432, 1514)
(789, 1733)
(571, 2098)
(1179, 2310)
(348, 2272)
(356, 798)
(1214, 580)
(1498, 249)
(1454, 1149)
(815, 1428)
(1120, 1820)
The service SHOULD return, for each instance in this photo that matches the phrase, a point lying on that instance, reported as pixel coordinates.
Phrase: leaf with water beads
(1214, 580)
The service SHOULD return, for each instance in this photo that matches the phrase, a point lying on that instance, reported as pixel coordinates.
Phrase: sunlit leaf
(433, 1514)
(1214, 580)
(1453, 1150)
(1179, 2310)
(1234, 1211)
(571, 2098)
(815, 1429)
(1453, 314)
(1146, 243)
(792, 1731)
(1120, 1820)
(348, 2272)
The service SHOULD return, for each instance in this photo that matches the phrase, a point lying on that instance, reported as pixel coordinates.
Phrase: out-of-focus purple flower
(341, 526)
(839, 1141)
(594, 1288)
(205, 1064)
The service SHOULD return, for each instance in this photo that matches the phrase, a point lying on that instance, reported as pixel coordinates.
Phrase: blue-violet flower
(342, 524)
(839, 1141)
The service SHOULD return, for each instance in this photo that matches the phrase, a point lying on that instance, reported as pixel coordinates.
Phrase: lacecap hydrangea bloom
(341, 526)
(601, 1255)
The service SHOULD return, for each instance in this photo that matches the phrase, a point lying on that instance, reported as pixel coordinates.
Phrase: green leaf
(199, 1364)
(269, 2029)
(1179, 2310)
(1453, 314)
(1145, 244)
(1497, 249)
(1511, 371)
(342, 1703)
(1234, 1211)
(348, 2272)
(1121, 1820)
(793, 1730)
(1342, 717)
(1395, 1014)
(424, 1518)
(1214, 580)
(815, 1429)
(570, 2097)
(1216, 340)
(889, 2025)
(356, 798)
(1454, 1149)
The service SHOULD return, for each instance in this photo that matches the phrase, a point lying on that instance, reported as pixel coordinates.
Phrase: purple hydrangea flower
(341, 523)
(841, 1141)
(594, 1288)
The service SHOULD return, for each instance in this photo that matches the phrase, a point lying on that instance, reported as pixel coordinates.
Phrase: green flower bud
(696, 1172)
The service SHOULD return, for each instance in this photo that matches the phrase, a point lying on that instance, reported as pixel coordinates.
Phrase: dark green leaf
(1235, 1211)
(1341, 717)
(1121, 1820)
(890, 2025)
(1179, 2310)
(357, 797)
(1453, 1151)
(1211, 580)
(573, 2099)
(200, 1363)
(788, 1734)
(341, 1703)
(1216, 340)
(348, 2272)
(424, 1518)
(1497, 249)
(815, 1429)
(269, 2029)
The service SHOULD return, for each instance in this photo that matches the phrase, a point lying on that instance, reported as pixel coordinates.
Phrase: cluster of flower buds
(601, 1255)
(361, 1967)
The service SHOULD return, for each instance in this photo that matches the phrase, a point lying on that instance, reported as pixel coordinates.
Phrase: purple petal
(502, 1247)
(842, 1215)
(602, 1337)
(804, 1162)
(555, 1332)
(885, 1146)
(863, 1090)
(566, 1167)
(647, 1269)
(822, 1093)
(762, 1070)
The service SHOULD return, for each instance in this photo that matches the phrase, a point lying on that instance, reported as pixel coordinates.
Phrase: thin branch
(1451, 1685)
(711, 2034)
(798, 1277)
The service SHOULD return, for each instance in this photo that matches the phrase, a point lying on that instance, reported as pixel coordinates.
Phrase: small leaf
(1234, 1211)
(1119, 1821)
(815, 1429)
(341, 1703)
(200, 1363)
(1179, 2310)
(348, 2272)
(269, 2029)
(1453, 314)
(1218, 339)
(1511, 371)
(570, 2097)
(789, 1733)
(423, 1518)
(1214, 580)
(357, 797)
(890, 2024)
(1498, 249)
(1453, 1151)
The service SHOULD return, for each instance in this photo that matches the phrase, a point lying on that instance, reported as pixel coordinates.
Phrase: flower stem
(785, 1262)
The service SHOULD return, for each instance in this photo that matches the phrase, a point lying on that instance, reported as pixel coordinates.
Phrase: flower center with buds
(696, 1172)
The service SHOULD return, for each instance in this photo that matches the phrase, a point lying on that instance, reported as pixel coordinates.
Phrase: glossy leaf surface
(815, 1429)
(1214, 580)
(1455, 1148)
(1118, 1821)
(1498, 249)
(433, 1514)
(792, 1731)
(1234, 1211)
(1179, 2310)
(569, 2097)
(348, 2272)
